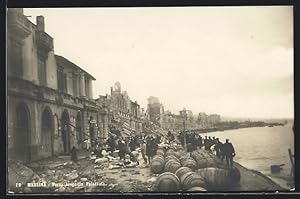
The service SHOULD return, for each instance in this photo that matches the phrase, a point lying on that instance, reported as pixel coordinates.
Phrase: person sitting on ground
(228, 152)
(128, 151)
(98, 151)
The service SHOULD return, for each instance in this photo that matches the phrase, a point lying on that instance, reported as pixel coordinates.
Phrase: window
(75, 87)
(15, 58)
(60, 79)
(42, 71)
(65, 83)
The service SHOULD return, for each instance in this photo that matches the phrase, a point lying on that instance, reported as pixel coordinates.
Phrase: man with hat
(228, 152)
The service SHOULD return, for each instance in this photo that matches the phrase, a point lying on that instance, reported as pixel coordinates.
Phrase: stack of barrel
(205, 159)
(216, 175)
(176, 176)
(198, 171)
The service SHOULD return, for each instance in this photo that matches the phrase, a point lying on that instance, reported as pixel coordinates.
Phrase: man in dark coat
(228, 152)
(218, 148)
(151, 148)
(74, 157)
(121, 148)
(111, 144)
(206, 143)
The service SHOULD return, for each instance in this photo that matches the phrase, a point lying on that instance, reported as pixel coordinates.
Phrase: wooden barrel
(196, 189)
(167, 182)
(157, 164)
(191, 179)
(169, 152)
(182, 170)
(218, 179)
(161, 153)
(171, 157)
(177, 154)
(183, 158)
(172, 166)
(189, 162)
(234, 176)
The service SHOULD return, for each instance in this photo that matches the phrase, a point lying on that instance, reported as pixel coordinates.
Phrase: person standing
(151, 148)
(74, 156)
(206, 143)
(111, 144)
(121, 147)
(228, 152)
(217, 148)
(143, 151)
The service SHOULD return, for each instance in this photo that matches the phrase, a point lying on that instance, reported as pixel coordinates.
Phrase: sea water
(260, 147)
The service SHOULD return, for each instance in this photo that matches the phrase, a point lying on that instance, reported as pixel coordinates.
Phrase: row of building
(50, 99)
(185, 120)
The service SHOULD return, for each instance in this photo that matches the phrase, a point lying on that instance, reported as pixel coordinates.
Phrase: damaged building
(124, 114)
(50, 100)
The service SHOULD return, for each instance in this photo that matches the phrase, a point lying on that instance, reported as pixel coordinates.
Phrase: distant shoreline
(236, 125)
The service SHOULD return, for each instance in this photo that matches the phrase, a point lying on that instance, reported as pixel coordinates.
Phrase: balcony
(44, 41)
(18, 25)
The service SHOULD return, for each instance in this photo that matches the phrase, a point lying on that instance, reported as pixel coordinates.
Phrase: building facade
(124, 114)
(50, 99)
(155, 110)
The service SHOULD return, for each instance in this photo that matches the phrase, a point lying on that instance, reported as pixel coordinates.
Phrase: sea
(260, 147)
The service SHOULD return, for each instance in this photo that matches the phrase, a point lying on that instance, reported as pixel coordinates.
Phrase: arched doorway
(22, 133)
(65, 131)
(47, 132)
(79, 133)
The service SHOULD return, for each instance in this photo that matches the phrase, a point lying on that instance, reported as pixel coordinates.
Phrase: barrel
(205, 159)
(167, 182)
(161, 153)
(196, 189)
(182, 159)
(177, 154)
(191, 179)
(189, 162)
(182, 170)
(157, 164)
(169, 152)
(172, 166)
(218, 179)
(171, 157)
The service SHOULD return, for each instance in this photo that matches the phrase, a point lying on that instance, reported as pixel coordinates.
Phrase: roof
(64, 60)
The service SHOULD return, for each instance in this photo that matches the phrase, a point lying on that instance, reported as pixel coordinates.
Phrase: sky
(233, 61)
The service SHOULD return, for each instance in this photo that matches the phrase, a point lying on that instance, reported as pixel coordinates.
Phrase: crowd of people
(148, 145)
(194, 141)
(126, 146)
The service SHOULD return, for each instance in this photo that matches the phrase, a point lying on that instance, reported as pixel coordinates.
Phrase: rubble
(101, 160)
(18, 173)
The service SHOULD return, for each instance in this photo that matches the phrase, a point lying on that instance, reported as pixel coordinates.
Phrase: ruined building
(50, 99)
(155, 110)
(124, 114)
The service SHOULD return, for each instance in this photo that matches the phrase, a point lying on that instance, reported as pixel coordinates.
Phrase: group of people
(148, 145)
(222, 150)
(127, 146)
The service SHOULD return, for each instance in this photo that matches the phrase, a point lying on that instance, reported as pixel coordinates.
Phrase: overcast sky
(234, 61)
